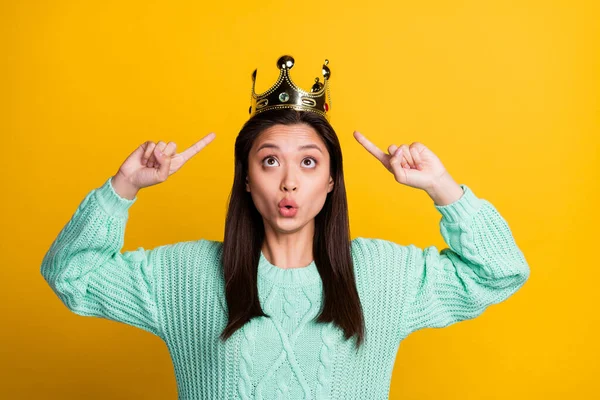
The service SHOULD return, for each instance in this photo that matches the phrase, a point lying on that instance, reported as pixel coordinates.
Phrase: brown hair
(244, 235)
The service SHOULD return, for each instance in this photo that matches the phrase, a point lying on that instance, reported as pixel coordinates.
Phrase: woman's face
(288, 162)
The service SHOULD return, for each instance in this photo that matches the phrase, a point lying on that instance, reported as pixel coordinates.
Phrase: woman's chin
(287, 225)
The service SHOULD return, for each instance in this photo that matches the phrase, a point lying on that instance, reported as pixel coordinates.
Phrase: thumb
(165, 164)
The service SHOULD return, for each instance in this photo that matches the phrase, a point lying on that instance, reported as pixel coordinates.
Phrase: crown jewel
(285, 94)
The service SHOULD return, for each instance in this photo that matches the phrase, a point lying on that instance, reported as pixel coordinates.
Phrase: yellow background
(505, 93)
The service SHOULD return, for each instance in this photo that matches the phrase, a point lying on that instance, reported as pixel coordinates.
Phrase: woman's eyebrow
(274, 146)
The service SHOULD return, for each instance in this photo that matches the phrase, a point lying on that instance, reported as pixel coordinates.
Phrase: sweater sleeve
(481, 267)
(86, 270)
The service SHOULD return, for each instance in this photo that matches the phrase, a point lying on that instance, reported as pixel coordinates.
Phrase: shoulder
(207, 249)
(380, 256)
(194, 255)
(369, 248)
(382, 269)
(192, 247)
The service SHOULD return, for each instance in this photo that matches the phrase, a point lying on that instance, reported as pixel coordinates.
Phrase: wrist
(445, 190)
(123, 187)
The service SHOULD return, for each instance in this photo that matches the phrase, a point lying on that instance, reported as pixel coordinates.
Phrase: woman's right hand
(153, 163)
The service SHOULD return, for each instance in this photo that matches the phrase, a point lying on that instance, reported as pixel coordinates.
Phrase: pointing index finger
(196, 147)
(371, 148)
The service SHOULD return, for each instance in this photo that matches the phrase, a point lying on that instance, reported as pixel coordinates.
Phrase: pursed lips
(288, 203)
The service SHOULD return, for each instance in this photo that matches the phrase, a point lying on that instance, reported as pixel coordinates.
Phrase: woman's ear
(330, 185)
(247, 185)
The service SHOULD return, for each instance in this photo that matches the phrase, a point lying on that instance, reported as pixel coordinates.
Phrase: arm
(483, 266)
(89, 274)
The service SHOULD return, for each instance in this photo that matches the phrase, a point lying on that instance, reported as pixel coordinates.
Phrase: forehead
(289, 137)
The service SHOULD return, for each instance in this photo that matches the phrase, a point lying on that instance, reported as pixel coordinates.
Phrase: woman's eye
(272, 161)
(269, 160)
(312, 164)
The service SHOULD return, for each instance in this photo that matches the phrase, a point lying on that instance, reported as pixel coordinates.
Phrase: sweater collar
(303, 276)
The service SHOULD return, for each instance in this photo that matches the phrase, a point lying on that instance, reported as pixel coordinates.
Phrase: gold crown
(285, 94)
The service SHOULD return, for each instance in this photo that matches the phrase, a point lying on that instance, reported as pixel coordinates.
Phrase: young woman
(269, 312)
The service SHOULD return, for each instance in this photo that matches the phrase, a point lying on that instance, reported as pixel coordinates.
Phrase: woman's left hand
(415, 165)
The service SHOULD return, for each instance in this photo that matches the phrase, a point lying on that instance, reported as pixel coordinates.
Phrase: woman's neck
(289, 250)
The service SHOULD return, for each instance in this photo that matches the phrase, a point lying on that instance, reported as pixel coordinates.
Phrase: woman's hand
(153, 163)
(415, 165)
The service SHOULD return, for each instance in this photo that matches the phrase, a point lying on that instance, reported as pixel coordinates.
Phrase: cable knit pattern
(326, 357)
(247, 349)
(176, 292)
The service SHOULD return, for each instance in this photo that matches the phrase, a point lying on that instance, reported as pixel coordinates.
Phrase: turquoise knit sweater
(176, 292)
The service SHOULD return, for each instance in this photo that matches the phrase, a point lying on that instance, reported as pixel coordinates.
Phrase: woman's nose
(289, 182)
(288, 186)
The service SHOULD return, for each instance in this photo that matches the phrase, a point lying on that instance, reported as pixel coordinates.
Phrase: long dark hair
(244, 235)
